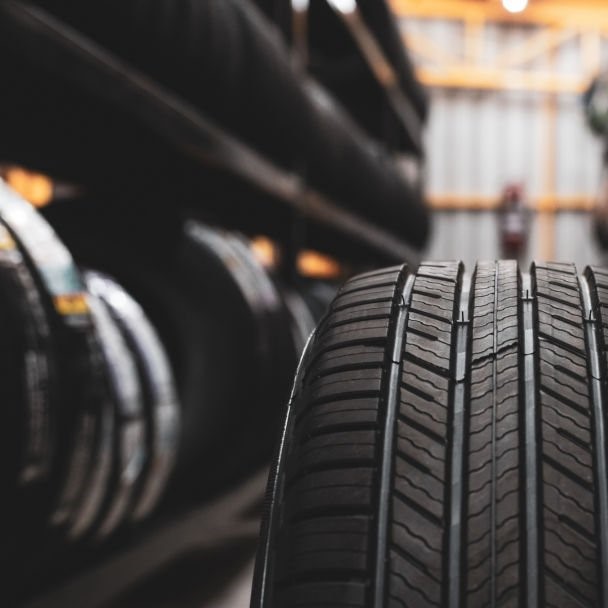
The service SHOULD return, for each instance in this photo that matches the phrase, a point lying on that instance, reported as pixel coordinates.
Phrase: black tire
(215, 310)
(79, 401)
(97, 483)
(444, 445)
(26, 365)
(146, 479)
(27, 437)
(129, 450)
(81, 382)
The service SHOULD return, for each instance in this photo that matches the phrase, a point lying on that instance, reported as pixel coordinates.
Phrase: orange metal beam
(455, 202)
(542, 43)
(560, 13)
(451, 202)
(469, 77)
(450, 71)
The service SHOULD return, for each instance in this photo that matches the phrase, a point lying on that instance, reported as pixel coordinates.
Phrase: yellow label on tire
(7, 242)
(72, 304)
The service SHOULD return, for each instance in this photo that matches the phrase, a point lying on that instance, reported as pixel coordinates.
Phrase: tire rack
(384, 73)
(233, 518)
(46, 40)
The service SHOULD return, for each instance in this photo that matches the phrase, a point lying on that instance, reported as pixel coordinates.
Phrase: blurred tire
(129, 439)
(215, 310)
(81, 407)
(28, 417)
(151, 417)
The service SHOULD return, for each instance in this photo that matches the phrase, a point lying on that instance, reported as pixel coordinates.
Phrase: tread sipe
(445, 445)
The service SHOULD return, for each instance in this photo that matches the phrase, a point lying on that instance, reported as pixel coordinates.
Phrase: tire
(98, 481)
(27, 421)
(444, 445)
(215, 310)
(145, 472)
(77, 390)
(26, 368)
(129, 451)
(251, 333)
(81, 382)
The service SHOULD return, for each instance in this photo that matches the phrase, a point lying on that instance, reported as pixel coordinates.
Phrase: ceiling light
(344, 6)
(300, 6)
(515, 6)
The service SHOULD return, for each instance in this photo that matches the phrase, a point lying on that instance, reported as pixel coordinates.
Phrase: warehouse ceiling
(558, 13)
(529, 63)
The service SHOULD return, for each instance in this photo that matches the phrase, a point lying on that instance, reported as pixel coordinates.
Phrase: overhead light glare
(344, 6)
(300, 6)
(515, 6)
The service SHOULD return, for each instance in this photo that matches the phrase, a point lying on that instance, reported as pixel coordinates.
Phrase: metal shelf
(383, 71)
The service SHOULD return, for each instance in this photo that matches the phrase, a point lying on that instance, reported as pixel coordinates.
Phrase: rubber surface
(255, 338)
(150, 410)
(81, 382)
(98, 479)
(129, 440)
(445, 445)
(215, 310)
(27, 437)
(27, 367)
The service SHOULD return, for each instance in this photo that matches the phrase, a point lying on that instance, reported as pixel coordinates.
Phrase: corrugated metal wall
(477, 141)
(473, 235)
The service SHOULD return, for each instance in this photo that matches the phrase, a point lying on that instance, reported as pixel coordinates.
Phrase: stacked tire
(118, 393)
(445, 445)
(220, 315)
(80, 455)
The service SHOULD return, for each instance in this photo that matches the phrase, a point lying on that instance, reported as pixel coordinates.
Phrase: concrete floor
(237, 593)
(202, 558)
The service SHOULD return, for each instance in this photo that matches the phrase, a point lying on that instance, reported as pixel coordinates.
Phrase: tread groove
(597, 378)
(392, 405)
(529, 397)
(459, 391)
(493, 467)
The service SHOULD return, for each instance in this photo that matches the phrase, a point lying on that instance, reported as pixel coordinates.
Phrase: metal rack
(45, 39)
(104, 579)
(383, 71)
